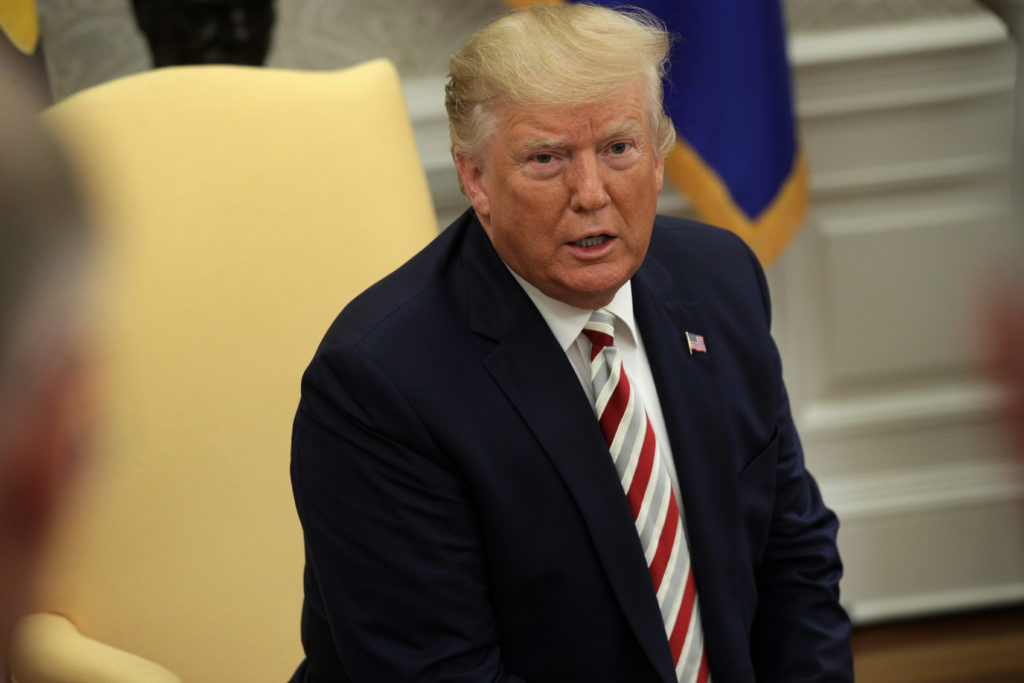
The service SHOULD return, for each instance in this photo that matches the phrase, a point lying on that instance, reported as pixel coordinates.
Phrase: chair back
(241, 208)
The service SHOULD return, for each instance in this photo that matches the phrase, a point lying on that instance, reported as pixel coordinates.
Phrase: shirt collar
(566, 322)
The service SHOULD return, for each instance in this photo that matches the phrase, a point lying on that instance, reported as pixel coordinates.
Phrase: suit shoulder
(695, 243)
(404, 293)
(708, 258)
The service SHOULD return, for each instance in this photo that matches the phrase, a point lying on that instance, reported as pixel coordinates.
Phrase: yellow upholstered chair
(241, 208)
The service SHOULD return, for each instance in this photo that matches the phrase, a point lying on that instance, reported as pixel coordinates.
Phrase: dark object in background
(206, 31)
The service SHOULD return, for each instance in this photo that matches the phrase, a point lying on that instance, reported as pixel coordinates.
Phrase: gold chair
(241, 209)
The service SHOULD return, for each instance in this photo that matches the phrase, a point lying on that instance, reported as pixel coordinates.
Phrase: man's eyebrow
(536, 144)
(623, 129)
(626, 128)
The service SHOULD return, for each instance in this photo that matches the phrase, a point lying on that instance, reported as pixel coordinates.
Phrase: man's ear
(471, 173)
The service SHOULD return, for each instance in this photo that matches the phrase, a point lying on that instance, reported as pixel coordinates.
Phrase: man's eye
(619, 148)
(543, 158)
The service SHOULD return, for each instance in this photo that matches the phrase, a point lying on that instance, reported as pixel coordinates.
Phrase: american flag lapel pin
(696, 343)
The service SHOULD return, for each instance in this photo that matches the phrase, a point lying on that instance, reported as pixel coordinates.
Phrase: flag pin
(696, 343)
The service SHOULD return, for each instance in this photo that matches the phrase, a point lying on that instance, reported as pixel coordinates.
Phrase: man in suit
(43, 270)
(555, 445)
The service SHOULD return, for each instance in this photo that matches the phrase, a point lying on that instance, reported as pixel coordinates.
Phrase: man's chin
(592, 297)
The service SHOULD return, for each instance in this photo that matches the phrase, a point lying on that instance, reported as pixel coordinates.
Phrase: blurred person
(43, 273)
(1004, 324)
(1002, 314)
(556, 445)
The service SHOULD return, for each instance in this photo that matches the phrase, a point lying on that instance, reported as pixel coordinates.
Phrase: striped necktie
(645, 480)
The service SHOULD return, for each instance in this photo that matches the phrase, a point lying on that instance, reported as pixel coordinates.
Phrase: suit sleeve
(392, 543)
(800, 631)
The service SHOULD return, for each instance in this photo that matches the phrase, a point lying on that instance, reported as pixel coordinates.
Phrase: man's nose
(588, 187)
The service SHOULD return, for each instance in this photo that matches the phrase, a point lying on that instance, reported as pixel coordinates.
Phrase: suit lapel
(692, 403)
(532, 371)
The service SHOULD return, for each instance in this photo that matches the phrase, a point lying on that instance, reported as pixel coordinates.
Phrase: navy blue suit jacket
(462, 518)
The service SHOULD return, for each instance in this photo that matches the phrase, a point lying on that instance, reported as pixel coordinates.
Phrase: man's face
(567, 195)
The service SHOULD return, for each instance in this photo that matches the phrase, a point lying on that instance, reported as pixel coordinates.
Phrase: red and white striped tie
(645, 480)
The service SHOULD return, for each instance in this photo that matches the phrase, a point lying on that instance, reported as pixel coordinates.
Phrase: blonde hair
(555, 56)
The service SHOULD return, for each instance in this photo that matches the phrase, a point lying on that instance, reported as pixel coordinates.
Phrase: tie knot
(600, 328)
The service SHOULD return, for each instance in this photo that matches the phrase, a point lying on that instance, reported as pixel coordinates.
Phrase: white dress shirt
(566, 323)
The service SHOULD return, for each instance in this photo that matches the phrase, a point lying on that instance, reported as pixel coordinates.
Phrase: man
(555, 445)
(43, 253)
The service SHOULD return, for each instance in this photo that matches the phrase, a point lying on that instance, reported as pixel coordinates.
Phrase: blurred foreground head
(43, 255)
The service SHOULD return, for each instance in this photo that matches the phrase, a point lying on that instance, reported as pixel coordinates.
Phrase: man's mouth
(592, 241)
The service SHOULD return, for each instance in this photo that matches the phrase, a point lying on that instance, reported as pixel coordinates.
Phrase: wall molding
(932, 488)
(915, 218)
(896, 411)
(863, 612)
(906, 98)
(881, 41)
(907, 176)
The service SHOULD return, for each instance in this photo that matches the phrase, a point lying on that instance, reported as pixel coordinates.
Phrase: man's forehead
(570, 124)
(611, 110)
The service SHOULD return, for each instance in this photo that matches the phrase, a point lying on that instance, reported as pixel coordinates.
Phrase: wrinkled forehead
(623, 111)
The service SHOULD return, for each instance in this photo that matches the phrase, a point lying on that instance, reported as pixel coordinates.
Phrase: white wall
(880, 309)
